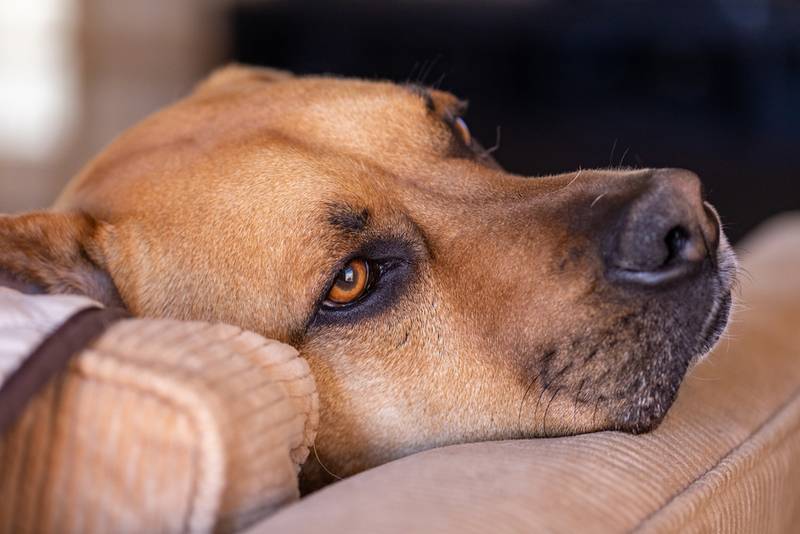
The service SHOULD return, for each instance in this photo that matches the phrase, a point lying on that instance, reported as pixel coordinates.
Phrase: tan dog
(437, 298)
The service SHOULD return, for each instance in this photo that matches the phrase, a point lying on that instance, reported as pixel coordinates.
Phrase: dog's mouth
(648, 406)
(622, 367)
(642, 397)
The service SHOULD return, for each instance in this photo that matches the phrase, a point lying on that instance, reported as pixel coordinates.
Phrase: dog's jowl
(437, 298)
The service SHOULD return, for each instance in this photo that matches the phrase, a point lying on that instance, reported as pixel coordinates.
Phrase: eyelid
(455, 112)
(452, 110)
(460, 108)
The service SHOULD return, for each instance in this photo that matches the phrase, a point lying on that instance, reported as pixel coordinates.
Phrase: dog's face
(437, 298)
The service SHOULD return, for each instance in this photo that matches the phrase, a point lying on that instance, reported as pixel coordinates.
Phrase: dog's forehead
(331, 138)
(365, 118)
(333, 97)
(379, 121)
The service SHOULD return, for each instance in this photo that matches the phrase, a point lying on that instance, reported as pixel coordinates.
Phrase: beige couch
(167, 426)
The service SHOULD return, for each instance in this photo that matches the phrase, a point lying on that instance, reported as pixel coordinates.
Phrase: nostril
(676, 240)
(664, 234)
(683, 254)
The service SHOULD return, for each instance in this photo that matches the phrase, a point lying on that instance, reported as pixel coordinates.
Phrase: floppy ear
(237, 74)
(56, 253)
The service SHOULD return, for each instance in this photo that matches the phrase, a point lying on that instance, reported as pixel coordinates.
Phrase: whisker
(622, 159)
(422, 67)
(695, 378)
(575, 408)
(741, 304)
(611, 156)
(594, 412)
(522, 403)
(596, 200)
(316, 455)
(496, 143)
(411, 74)
(428, 67)
(536, 408)
(544, 421)
(744, 272)
(577, 175)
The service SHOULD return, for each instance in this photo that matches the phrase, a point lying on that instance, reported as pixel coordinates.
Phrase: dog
(437, 298)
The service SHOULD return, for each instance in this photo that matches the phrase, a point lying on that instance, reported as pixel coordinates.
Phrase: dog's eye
(351, 283)
(461, 128)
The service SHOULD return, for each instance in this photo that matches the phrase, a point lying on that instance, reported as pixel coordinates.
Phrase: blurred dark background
(712, 86)
(709, 85)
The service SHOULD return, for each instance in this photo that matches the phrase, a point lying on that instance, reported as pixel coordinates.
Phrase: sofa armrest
(160, 426)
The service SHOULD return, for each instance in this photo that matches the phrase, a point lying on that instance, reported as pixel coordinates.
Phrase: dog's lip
(716, 322)
(657, 277)
(712, 331)
(644, 417)
(648, 419)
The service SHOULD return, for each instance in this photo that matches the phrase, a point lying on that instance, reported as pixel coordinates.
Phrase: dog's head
(437, 298)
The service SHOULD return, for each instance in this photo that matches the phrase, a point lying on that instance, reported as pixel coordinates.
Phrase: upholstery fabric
(726, 459)
(160, 426)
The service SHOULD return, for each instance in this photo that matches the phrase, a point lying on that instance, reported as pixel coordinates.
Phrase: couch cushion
(726, 459)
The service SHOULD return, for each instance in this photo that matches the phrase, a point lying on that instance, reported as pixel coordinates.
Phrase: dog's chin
(648, 408)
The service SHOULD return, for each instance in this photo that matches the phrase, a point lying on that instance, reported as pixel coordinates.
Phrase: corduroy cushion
(726, 459)
(160, 426)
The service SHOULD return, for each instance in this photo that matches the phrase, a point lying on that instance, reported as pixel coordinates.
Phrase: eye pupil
(348, 275)
(350, 284)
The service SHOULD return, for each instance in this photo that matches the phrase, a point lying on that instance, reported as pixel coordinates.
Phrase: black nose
(665, 233)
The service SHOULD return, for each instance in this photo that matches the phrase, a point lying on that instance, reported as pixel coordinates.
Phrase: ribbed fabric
(726, 459)
(161, 426)
(51, 358)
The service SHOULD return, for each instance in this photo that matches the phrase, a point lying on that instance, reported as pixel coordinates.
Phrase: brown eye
(350, 284)
(461, 128)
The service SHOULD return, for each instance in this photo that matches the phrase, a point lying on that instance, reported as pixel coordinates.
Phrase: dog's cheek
(365, 386)
(574, 379)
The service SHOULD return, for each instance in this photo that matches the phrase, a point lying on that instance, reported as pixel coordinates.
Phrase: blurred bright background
(709, 85)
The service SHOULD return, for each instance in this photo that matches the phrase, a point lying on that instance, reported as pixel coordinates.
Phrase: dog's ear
(236, 74)
(56, 253)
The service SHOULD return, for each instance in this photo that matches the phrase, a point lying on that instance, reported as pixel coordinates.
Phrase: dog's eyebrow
(422, 92)
(346, 217)
(452, 109)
